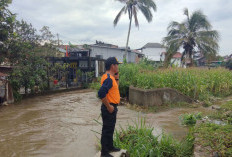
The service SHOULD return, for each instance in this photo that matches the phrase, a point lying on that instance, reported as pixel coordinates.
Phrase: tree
(132, 7)
(24, 39)
(29, 72)
(194, 34)
(48, 42)
(6, 27)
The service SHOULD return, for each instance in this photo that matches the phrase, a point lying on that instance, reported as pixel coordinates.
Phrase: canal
(61, 125)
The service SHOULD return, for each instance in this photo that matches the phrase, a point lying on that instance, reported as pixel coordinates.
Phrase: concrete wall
(153, 53)
(156, 97)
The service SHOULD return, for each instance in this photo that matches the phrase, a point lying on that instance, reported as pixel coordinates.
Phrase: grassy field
(197, 83)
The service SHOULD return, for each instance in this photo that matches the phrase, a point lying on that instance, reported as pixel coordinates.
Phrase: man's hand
(110, 108)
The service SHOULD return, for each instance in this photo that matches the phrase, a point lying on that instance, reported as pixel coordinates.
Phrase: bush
(96, 85)
(190, 119)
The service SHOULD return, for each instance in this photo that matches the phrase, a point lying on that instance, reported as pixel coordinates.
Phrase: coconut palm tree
(193, 34)
(132, 7)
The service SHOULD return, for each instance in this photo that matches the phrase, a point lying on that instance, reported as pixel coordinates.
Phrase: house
(176, 59)
(90, 58)
(199, 59)
(6, 92)
(103, 51)
(153, 51)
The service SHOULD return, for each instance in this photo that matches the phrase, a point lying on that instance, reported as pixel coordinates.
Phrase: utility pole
(58, 39)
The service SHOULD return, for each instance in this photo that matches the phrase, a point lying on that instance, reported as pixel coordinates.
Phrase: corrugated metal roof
(153, 45)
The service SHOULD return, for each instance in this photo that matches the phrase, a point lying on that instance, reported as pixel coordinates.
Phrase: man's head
(111, 64)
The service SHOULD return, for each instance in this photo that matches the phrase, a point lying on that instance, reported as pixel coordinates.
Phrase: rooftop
(153, 45)
(177, 55)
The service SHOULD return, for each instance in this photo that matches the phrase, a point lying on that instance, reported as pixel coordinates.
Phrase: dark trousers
(109, 121)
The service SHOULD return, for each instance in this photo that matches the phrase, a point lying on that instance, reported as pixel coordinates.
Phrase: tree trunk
(167, 59)
(128, 35)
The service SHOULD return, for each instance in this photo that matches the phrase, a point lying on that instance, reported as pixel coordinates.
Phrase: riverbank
(211, 136)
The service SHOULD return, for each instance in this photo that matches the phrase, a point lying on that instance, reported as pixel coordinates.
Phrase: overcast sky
(85, 21)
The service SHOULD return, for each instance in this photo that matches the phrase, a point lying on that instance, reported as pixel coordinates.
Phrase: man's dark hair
(107, 66)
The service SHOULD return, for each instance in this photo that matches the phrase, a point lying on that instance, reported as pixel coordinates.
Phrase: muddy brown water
(61, 125)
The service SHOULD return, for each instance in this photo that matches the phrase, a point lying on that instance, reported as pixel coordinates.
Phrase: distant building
(153, 51)
(176, 59)
(6, 91)
(199, 59)
(103, 51)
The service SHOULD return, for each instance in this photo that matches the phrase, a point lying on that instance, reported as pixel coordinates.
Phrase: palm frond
(186, 12)
(146, 12)
(149, 4)
(135, 16)
(198, 21)
(213, 34)
(117, 18)
(173, 24)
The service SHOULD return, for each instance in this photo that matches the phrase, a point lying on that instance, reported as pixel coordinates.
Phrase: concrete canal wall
(156, 97)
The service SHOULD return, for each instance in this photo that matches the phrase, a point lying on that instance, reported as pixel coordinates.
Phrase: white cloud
(84, 21)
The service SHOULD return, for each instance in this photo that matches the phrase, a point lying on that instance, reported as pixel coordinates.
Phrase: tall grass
(139, 141)
(194, 82)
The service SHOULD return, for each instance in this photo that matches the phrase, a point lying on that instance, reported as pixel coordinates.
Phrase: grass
(224, 114)
(217, 137)
(139, 141)
(197, 83)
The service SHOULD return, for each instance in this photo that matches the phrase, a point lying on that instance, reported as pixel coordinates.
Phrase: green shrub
(96, 85)
(190, 119)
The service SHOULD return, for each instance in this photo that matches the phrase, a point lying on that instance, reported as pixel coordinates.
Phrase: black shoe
(106, 155)
(114, 149)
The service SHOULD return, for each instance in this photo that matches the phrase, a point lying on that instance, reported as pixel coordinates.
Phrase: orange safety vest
(113, 95)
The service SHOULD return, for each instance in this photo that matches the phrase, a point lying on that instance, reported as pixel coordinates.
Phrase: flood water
(61, 125)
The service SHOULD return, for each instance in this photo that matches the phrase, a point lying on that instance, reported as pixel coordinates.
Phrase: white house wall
(176, 62)
(111, 52)
(153, 53)
(107, 52)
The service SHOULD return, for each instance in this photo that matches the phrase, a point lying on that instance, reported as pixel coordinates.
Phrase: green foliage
(217, 137)
(28, 73)
(194, 32)
(96, 85)
(190, 119)
(139, 141)
(197, 83)
(6, 27)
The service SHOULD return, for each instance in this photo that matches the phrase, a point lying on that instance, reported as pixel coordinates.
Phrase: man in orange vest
(110, 96)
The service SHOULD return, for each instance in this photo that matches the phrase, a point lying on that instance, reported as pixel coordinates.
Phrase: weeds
(190, 119)
(139, 141)
(217, 137)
